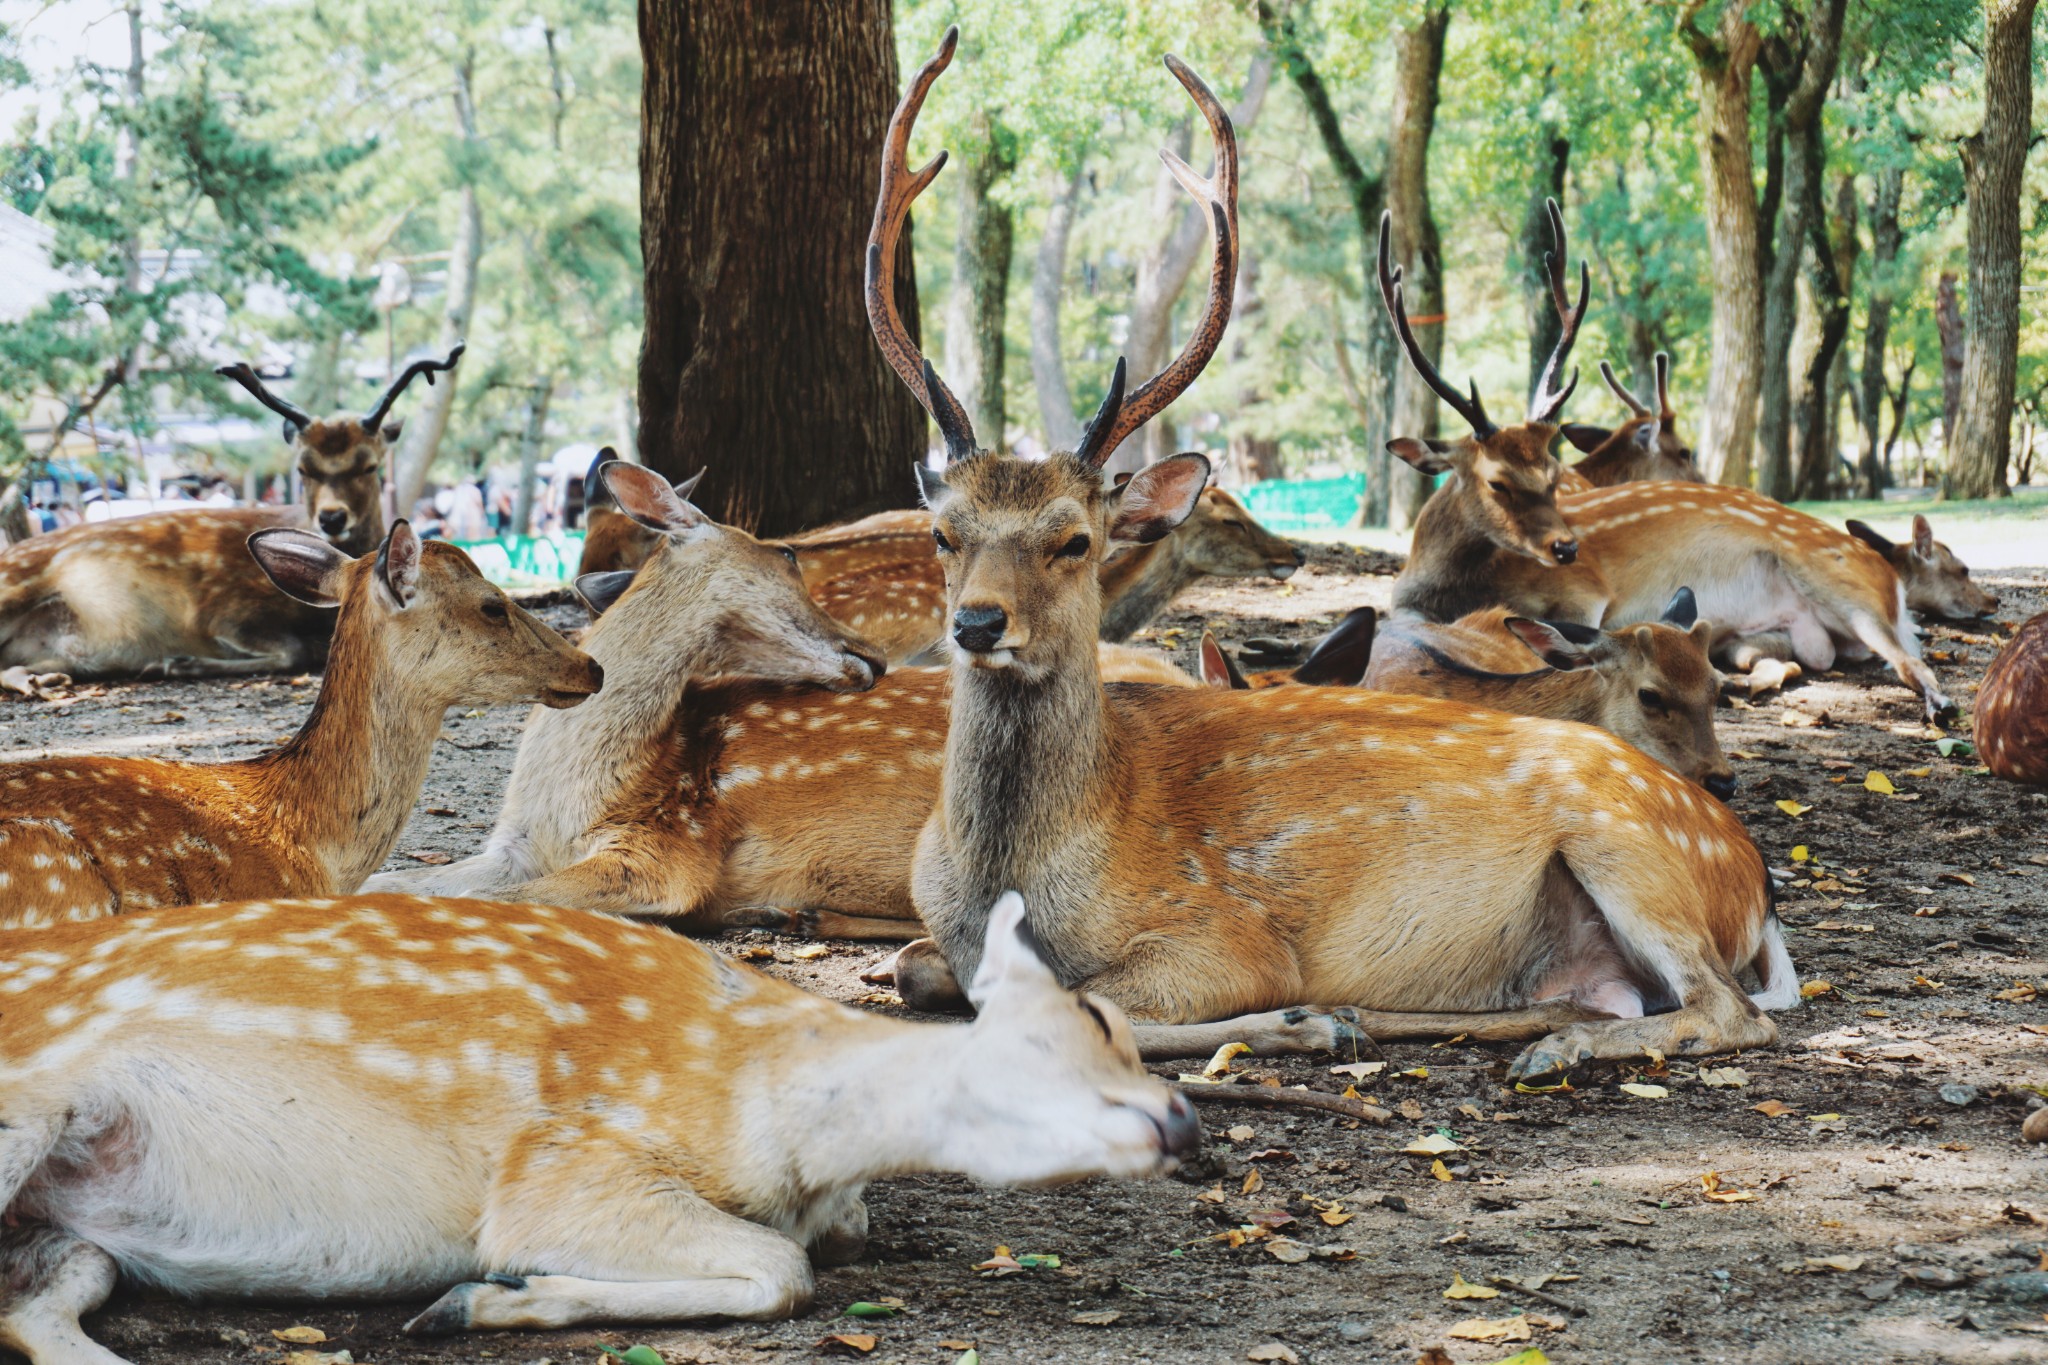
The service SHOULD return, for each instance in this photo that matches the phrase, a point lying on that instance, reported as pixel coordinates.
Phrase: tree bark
(1725, 66)
(1418, 250)
(531, 438)
(761, 130)
(1538, 309)
(1994, 163)
(429, 419)
(1831, 256)
(982, 248)
(1948, 321)
(1048, 284)
(1884, 253)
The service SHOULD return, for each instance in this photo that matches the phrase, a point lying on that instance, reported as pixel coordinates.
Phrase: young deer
(1937, 582)
(1645, 448)
(175, 593)
(1651, 684)
(418, 630)
(2010, 718)
(1196, 854)
(1500, 499)
(567, 1117)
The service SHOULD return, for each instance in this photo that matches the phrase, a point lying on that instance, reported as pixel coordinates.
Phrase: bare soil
(1896, 1214)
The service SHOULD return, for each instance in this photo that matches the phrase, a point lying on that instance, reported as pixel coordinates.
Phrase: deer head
(1223, 538)
(341, 459)
(1504, 480)
(1019, 540)
(1645, 447)
(1937, 583)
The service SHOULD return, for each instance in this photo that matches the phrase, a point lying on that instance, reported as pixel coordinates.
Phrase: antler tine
(1635, 404)
(1218, 192)
(1663, 364)
(1469, 408)
(242, 374)
(1547, 402)
(900, 186)
(375, 416)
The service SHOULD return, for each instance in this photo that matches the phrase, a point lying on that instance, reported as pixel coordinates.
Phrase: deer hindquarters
(49, 877)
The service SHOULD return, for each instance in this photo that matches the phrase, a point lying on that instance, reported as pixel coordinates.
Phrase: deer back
(2010, 717)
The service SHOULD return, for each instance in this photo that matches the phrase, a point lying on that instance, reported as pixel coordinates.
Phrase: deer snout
(864, 667)
(1180, 1132)
(1564, 551)
(575, 687)
(333, 521)
(1719, 785)
(978, 629)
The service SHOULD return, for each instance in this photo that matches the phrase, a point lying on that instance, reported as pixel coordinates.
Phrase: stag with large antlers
(1501, 491)
(177, 593)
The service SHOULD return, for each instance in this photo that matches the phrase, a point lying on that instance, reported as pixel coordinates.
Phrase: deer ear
(1010, 955)
(930, 484)
(1341, 657)
(1424, 456)
(291, 431)
(1587, 439)
(1923, 537)
(1218, 669)
(392, 431)
(647, 498)
(398, 564)
(1645, 436)
(1869, 537)
(1158, 498)
(1549, 643)
(304, 566)
(1682, 610)
(600, 590)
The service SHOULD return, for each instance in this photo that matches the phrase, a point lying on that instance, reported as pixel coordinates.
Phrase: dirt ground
(1892, 1214)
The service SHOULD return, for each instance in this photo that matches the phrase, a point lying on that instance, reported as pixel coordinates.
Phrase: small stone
(1958, 1094)
(2029, 1286)
(1931, 1277)
(1354, 1331)
(2035, 1129)
(1882, 1289)
(1394, 1202)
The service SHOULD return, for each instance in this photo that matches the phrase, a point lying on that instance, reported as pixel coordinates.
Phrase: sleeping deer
(2009, 720)
(541, 1116)
(175, 593)
(1645, 448)
(1197, 855)
(418, 630)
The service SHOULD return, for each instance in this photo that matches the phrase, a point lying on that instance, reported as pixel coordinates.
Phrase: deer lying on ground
(1195, 855)
(1645, 448)
(175, 593)
(419, 630)
(1339, 659)
(567, 1117)
(1937, 583)
(2010, 718)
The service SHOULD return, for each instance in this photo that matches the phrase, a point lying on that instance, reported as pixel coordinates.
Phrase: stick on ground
(1273, 1097)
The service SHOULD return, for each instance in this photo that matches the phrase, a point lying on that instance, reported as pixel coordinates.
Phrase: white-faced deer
(419, 630)
(1499, 500)
(176, 593)
(1645, 448)
(1197, 854)
(566, 1117)
(2009, 719)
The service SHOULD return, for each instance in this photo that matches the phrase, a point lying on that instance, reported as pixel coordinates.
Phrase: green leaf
(635, 1355)
(1036, 1262)
(864, 1309)
(1949, 747)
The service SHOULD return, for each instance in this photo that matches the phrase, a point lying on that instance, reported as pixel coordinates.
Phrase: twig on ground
(1275, 1097)
(1564, 1306)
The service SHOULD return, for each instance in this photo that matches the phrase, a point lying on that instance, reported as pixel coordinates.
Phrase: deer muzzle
(979, 629)
(1564, 551)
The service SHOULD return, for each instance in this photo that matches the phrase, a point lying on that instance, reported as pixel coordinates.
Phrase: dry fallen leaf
(1411, 1109)
(1875, 781)
(431, 857)
(1213, 1195)
(1273, 1350)
(847, 1342)
(1645, 1092)
(1834, 1263)
(1774, 1109)
(1440, 1171)
(1219, 1065)
(1434, 1356)
(1462, 1288)
(1492, 1329)
(1253, 1182)
(1239, 1132)
(1710, 1183)
(1432, 1144)
(319, 1358)
(810, 952)
(1960, 878)
(1724, 1077)
(1813, 988)
(1792, 808)
(1336, 1218)
(301, 1336)
(1288, 1250)
(1359, 1069)
(1101, 1317)
(2020, 993)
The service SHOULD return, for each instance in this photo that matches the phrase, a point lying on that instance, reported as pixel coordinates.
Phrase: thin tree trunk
(1418, 250)
(1538, 310)
(1831, 251)
(1726, 64)
(1048, 284)
(1994, 164)
(981, 283)
(761, 139)
(1948, 321)
(1884, 239)
(429, 419)
(531, 438)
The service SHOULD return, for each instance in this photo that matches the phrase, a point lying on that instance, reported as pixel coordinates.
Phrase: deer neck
(342, 788)
(1446, 575)
(1137, 585)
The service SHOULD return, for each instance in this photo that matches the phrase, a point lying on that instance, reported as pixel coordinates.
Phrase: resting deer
(1499, 501)
(566, 1117)
(418, 630)
(612, 541)
(1196, 855)
(1339, 659)
(1645, 448)
(175, 593)
(2009, 720)
(1937, 583)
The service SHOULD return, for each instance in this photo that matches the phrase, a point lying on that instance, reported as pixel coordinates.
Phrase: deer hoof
(1325, 1030)
(1552, 1056)
(447, 1315)
(762, 917)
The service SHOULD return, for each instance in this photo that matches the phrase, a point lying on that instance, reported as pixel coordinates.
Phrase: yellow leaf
(1523, 1088)
(1492, 1329)
(1461, 1288)
(1440, 1171)
(1532, 1356)
(1774, 1109)
(1792, 808)
(1219, 1065)
(1844, 1263)
(1813, 988)
(1431, 1144)
(854, 1341)
(1656, 1057)
(1351, 1093)
(1823, 1118)
(1710, 1183)
(1875, 781)
(1724, 1077)
(301, 1336)
(811, 952)
(1800, 853)
(1335, 1218)
(1919, 772)
(1253, 1182)
(1645, 1092)
(1420, 1073)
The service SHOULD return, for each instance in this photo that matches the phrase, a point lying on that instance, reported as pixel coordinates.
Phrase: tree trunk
(1948, 320)
(429, 419)
(1994, 163)
(531, 438)
(761, 142)
(1418, 250)
(1048, 283)
(1831, 252)
(1726, 64)
(1884, 240)
(1538, 310)
(981, 283)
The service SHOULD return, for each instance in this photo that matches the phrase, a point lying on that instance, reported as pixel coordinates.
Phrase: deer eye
(1073, 549)
(495, 610)
(1096, 1015)
(1652, 699)
(1497, 486)
(939, 539)
(789, 554)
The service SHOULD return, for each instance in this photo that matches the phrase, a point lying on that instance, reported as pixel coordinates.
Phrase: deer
(1339, 659)
(1199, 856)
(175, 594)
(1937, 582)
(612, 541)
(418, 630)
(1499, 499)
(529, 1117)
(1646, 447)
(2009, 720)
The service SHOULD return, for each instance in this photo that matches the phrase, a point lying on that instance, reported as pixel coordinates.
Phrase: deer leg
(813, 922)
(616, 883)
(1716, 1017)
(1884, 642)
(48, 1280)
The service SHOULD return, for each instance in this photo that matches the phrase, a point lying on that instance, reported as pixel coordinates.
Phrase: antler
(1119, 416)
(1663, 364)
(1471, 409)
(297, 419)
(1635, 404)
(429, 368)
(1546, 402)
(901, 185)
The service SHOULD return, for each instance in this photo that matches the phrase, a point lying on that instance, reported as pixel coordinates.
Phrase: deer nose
(977, 629)
(1564, 551)
(1181, 1132)
(1720, 785)
(333, 521)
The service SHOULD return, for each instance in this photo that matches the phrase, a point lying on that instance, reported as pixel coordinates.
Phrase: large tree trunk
(428, 421)
(981, 283)
(1726, 64)
(1831, 253)
(1994, 162)
(1538, 309)
(1884, 243)
(761, 130)
(1418, 250)
(1048, 284)
(1948, 322)
(532, 437)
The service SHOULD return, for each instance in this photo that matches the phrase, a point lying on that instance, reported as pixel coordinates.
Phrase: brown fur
(2010, 718)
(613, 541)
